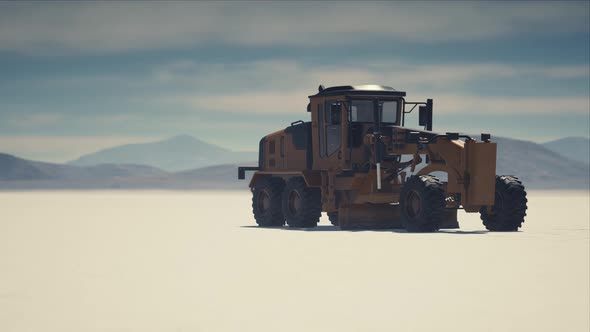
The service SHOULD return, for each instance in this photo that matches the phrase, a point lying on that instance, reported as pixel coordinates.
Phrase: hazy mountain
(539, 167)
(178, 153)
(575, 148)
(18, 173)
(13, 168)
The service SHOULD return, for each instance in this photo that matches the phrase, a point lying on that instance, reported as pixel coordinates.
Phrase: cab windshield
(362, 111)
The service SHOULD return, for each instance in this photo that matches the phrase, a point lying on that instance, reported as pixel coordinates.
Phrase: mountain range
(184, 162)
(21, 174)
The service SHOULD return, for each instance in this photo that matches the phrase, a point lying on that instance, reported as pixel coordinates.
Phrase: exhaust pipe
(377, 134)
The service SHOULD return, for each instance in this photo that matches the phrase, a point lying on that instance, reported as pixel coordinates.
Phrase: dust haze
(193, 261)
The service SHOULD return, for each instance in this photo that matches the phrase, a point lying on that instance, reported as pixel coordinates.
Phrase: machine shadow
(330, 228)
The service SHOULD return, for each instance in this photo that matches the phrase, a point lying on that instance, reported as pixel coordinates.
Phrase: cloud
(296, 102)
(478, 105)
(283, 86)
(290, 72)
(253, 102)
(107, 27)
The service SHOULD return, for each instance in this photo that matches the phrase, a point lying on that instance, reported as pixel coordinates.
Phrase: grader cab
(356, 161)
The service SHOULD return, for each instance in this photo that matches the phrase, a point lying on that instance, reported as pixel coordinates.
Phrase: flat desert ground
(193, 261)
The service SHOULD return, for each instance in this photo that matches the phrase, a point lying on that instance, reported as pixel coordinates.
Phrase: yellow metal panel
(481, 169)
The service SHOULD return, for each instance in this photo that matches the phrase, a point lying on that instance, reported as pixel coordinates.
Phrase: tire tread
(274, 217)
(511, 217)
(434, 197)
(311, 203)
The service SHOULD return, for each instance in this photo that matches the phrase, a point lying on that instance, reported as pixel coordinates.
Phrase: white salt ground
(192, 261)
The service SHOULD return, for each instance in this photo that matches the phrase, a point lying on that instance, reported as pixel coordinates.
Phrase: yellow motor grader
(356, 161)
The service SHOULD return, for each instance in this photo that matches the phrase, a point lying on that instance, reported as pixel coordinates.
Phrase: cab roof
(361, 90)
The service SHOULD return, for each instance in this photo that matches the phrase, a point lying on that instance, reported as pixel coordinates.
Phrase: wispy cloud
(106, 27)
(36, 120)
(294, 73)
(478, 105)
(282, 86)
(295, 103)
(185, 89)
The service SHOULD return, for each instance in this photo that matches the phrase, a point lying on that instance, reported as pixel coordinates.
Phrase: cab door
(331, 133)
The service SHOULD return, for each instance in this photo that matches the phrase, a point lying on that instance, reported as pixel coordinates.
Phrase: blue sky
(77, 77)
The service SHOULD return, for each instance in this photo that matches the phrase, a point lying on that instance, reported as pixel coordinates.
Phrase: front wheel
(510, 204)
(422, 203)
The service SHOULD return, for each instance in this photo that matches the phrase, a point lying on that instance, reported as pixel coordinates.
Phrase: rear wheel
(422, 204)
(266, 202)
(302, 206)
(510, 204)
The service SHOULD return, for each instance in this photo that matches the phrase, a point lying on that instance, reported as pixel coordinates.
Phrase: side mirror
(335, 114)
(425, 115)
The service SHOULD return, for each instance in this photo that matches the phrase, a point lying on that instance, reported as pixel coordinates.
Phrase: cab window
(362, 111)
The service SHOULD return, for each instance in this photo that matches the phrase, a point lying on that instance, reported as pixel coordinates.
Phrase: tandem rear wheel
(274, 202)
(266, 202)
(301, 205)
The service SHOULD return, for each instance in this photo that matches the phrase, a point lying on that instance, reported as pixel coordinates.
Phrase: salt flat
(192, 261)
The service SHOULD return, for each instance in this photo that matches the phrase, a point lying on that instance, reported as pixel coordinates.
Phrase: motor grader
(358, 162)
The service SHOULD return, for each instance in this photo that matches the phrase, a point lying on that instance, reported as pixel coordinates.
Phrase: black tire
(509, 208)
(422, 204)
(266, 202)
(302, 206)
(333, 217)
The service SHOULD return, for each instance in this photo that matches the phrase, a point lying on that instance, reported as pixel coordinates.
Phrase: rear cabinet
(289, 149)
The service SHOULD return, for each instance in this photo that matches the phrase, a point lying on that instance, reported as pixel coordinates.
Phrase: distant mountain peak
(183, 137)
(176, 153)
(188, 139)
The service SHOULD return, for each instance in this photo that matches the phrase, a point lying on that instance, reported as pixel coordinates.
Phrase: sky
(78, 77)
